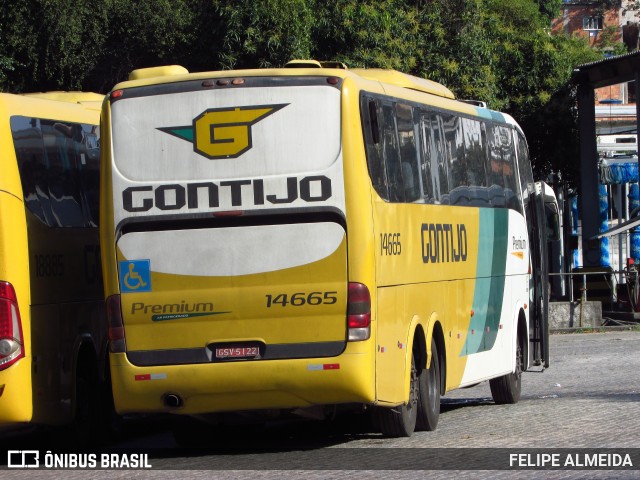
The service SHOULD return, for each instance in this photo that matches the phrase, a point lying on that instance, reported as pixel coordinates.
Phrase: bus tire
(85, 429)
(400, 421)
(429, 393)
(506, 389)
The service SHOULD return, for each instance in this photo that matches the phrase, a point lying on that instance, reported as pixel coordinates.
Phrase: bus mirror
(553, 228)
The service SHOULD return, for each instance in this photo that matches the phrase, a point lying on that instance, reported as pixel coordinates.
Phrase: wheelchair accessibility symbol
(135, 276)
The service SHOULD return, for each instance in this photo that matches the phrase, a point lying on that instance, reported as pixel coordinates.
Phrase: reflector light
(117, 94)
(333, 80)
(237, 81)
(207, 83)
(325, 366)
(222, 83)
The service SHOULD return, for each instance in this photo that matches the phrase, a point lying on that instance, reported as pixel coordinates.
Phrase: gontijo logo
(219, 133)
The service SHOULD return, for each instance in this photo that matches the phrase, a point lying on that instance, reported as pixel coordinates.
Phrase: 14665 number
(390, 244)
(300, 299)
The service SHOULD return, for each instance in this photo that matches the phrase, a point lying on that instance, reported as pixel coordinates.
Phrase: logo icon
(23, 459)
(219, 133)
(135, 276)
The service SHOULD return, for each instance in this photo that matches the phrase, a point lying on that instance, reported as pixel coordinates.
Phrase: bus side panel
(58, 332)
(392, 349)
(67, 309)
(422, 252)
(491, 345)
(430, 302)
(458, 264)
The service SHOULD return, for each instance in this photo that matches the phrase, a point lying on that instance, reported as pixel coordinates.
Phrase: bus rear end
(225, 246)
(16, 406)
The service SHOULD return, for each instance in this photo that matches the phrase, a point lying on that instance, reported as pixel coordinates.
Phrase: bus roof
(72, 97)
(400, 79)
(71, 106)
(385, 78)
(169, 73)
(89, 100)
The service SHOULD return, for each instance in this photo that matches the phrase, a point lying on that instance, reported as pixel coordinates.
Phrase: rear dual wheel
(422, 410)
(429, 388)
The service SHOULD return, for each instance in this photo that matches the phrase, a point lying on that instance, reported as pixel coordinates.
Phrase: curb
(601, 329)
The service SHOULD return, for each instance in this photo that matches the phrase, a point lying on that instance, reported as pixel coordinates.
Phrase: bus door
(540, 292)
(539, 285)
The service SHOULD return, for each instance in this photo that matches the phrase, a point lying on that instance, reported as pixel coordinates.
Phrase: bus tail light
(117, 343)
(358, 312)
(11, 344)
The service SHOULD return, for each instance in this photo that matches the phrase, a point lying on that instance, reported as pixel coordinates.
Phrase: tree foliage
(263, 34)
(499, 51)
(368, 33)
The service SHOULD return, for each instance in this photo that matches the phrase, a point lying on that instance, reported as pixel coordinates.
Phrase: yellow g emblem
(223, 132)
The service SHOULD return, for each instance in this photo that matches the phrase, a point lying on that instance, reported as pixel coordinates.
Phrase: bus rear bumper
(237, 386)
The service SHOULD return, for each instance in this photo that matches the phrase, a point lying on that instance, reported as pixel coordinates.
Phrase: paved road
(589, 398)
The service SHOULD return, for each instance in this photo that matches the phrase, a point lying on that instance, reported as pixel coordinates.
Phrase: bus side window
(439, 163)
(392, 163)
(456, 159)
(475, 151)
(455, 148)
(509, 171)
(34, 167)
(428, 156)
(59, 139)
(502, 168)
(373, 144)
(408, 153)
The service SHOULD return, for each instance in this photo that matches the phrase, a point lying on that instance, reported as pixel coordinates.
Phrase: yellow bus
(53, 339)
(304, 239)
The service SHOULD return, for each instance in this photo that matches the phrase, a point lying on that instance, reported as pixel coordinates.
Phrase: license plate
(237, 352)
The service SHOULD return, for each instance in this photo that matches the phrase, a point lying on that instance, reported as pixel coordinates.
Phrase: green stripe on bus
(490, 281)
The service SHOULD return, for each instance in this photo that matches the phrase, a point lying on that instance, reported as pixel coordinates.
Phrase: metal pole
(620, 186)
